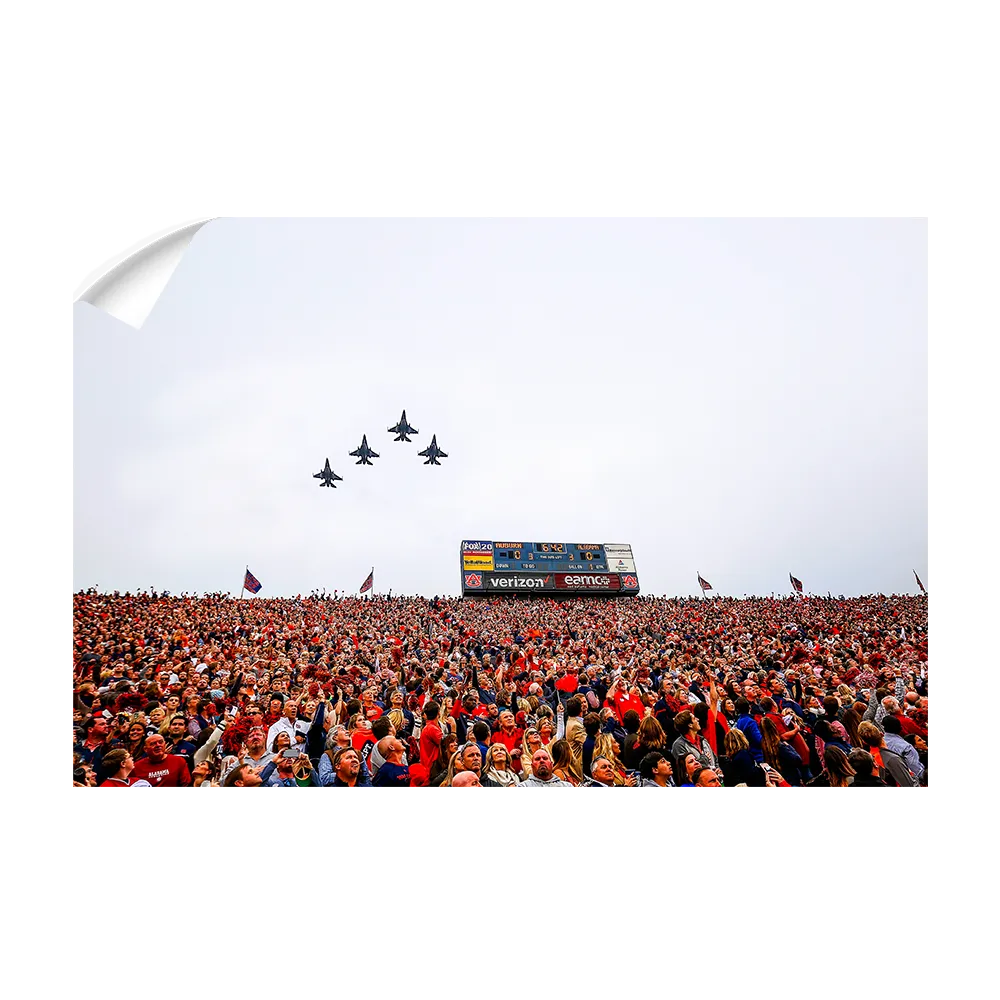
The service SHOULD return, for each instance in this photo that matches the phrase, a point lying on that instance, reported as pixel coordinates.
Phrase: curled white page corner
(128, 286)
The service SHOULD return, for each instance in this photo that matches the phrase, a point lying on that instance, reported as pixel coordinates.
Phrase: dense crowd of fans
(212, 691)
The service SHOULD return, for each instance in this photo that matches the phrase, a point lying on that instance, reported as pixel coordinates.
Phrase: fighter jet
(363, 454)
(433, 452)
(327, 475)
(402, 429)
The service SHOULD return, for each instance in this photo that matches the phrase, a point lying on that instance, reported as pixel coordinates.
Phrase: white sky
(744, 398)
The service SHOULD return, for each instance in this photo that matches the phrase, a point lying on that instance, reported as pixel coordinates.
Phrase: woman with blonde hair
(449, 773)
(605, 745)
(738, 765)
(499, 767)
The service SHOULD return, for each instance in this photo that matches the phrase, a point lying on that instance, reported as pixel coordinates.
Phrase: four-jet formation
(364, 454)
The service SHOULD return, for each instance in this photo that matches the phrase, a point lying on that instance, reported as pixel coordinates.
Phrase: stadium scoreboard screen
(552, 569)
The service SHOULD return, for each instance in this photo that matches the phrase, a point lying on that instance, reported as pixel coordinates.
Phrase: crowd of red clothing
(184, 685)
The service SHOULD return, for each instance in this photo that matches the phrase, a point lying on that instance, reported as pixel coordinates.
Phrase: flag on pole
(704, 584)
(250, 582)
(797, 584)
(369, 580)
(923, 589)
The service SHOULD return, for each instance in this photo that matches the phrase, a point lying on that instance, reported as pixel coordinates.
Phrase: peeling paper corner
(130, 289)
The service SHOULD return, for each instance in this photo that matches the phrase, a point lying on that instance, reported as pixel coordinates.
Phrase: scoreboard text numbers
(551, 547)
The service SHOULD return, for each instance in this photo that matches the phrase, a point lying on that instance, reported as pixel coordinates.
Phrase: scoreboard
(554, 569)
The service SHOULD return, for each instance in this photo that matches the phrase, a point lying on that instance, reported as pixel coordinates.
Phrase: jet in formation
(403, 429)
(327, 475)
(364, 454)
(433, 452)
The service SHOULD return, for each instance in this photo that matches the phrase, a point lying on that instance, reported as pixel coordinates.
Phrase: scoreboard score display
(552, 569)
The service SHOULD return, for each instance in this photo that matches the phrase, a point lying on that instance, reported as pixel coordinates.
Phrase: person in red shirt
(621, 700)
(161, 769)
(368, 707)
(430, 735)
(907, 726)
(508, 734)
(787, 724)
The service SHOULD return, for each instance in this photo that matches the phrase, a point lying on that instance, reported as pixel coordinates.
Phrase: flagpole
(244, 587)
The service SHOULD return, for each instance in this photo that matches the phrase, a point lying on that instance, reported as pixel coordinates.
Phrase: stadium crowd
(211, 691)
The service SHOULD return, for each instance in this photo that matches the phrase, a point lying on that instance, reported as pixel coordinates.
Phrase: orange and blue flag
(251, 583)
(367, 585)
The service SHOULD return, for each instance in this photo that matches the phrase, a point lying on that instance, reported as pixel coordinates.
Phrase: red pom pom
(235, 734)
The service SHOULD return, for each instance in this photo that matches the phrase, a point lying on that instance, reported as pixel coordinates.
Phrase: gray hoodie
(534, 784)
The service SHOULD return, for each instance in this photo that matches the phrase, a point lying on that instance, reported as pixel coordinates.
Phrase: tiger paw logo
(473, 580)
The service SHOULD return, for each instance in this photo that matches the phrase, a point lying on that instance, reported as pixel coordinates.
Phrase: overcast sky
(744, 398)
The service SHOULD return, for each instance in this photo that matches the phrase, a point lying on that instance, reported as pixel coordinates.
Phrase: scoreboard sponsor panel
(551, 568)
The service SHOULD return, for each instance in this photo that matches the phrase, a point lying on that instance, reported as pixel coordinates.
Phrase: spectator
(394, 772)
(607, 746)
(746, 724)
(655, 770)
(592, 729)
(837, 770)
(739, 766)
(430, 738)
(346, 770)
(161, 768)
(286, 724)
(894, 742)
(689, 741)
(562, 758)
(499, 766)
(865, 770)
(541, 773)
(243, 776)
(118, 765)
(177, 739)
